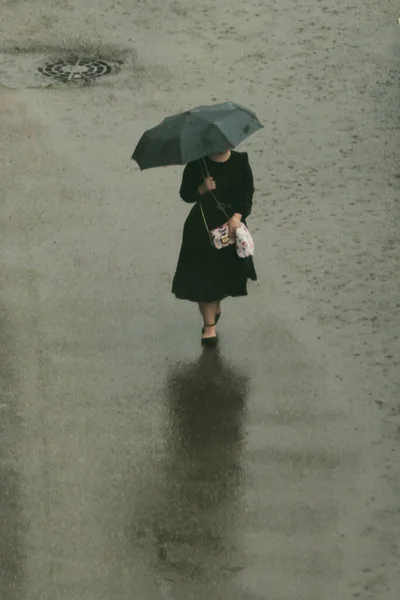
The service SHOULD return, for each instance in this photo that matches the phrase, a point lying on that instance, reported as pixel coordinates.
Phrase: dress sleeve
(244, 202)
(191, 179)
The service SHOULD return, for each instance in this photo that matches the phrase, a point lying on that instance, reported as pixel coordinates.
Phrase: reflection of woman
(204, 274)
(199, 502)
(206, 403)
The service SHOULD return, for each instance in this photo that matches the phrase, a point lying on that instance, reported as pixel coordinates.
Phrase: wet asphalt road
(132, 464)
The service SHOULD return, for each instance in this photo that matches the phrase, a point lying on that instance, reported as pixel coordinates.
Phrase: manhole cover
(79, 69)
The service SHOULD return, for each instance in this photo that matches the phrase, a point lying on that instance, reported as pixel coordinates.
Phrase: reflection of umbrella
(194, 134)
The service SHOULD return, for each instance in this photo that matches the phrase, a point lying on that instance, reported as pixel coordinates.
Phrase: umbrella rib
(216, 123)
(207, 120)
(225, 138)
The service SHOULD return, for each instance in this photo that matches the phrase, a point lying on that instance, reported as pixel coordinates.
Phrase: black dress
(205, 274)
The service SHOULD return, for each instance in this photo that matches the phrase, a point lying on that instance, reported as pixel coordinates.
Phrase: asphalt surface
(132, 464)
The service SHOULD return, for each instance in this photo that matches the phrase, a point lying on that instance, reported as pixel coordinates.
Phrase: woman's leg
(208, 310)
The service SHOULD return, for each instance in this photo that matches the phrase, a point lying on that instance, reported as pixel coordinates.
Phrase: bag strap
(204, 218)
(206, 173)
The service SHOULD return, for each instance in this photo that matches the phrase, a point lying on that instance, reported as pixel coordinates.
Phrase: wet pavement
(133, 464)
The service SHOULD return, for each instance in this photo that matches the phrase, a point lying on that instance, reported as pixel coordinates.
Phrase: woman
(204, 274)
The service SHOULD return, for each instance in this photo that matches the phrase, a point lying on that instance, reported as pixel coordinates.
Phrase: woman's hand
(207, 186)
(233, 224)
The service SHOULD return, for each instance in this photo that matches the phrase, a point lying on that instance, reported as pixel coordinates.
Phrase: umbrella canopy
(196, 133)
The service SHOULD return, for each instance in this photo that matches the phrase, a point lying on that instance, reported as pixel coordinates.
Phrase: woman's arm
(244, 202)
(191, 181)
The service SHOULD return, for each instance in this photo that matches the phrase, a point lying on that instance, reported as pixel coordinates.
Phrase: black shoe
(209, 341)
(217, 318)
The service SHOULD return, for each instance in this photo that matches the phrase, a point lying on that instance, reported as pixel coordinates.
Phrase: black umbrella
(196, 133)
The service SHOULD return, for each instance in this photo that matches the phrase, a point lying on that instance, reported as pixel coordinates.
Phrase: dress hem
(207, 301)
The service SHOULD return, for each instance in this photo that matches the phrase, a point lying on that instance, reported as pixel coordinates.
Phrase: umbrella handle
(204, 164)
